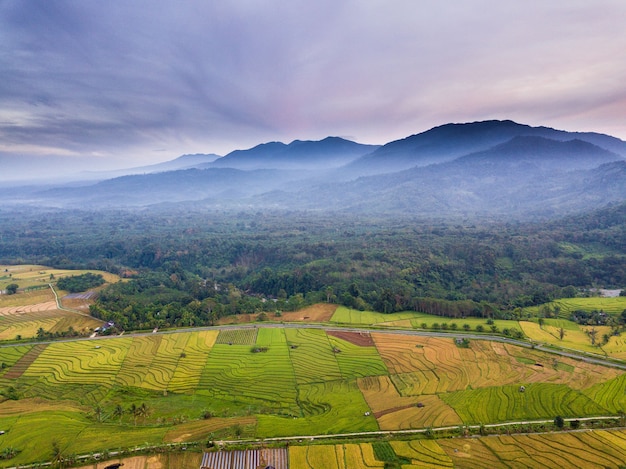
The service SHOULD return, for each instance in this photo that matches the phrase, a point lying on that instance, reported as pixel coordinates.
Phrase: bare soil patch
(321, 312)
(80, 304)
(23, 363)
(392, 410)
(28, 308)
(362, 339)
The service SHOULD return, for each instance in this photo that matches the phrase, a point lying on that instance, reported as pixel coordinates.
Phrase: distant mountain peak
(450, 141)
(299, 154)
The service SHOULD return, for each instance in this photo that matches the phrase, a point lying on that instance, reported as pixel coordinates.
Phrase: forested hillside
(192, 266)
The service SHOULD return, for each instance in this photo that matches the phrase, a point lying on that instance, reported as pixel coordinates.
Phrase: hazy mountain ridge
(511, 170)
(323, 154)
(451, 141)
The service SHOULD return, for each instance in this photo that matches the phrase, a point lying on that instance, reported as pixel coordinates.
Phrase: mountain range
(489, 168)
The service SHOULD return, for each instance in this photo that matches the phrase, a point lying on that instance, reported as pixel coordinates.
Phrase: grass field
(413, 320)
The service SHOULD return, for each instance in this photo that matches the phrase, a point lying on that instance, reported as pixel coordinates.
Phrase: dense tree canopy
(192, 266)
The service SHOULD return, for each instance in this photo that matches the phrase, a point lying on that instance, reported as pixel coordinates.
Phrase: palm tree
(118, 412)
(134, 411)
(57, 454)
(143, 411)
(97, 413)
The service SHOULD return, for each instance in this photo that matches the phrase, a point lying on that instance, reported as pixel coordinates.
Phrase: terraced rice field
(27, 324)
(24, 314)
(598, 449)
(266, 379)
(423, 454)
(575, 339)
(396, 412)
(270, 382)
(326, 408)
(348, 456)
(613, 305)
(312, 356)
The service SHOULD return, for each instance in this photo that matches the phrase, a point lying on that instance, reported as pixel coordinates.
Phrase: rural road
(576, 355)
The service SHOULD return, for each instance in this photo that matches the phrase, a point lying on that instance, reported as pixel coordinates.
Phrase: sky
(137, 82)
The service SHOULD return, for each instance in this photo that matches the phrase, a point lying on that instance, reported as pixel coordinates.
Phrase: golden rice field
(597, 449)
(23, 314)
(423, 454)
(27, 275)
(347, 456)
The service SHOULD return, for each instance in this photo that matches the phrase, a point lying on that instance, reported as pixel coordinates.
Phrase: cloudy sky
(147, 80)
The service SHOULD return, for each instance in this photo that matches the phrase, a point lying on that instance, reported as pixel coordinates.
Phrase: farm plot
(312, 356)
(423, 454)
(434, 365)
(152, 361)
(321, 312)
(541, 367)
(18, 359)
(192, 361)
(268, 337)
(37, 275)
(32, 297)
(356, 360)
(396, 412)
(316, 457)
(559, 450)
(21, 309)
(431, 365)
(613, 305)
(138, 360)
(237, 337)
(345, 315)
(201, 429)
(26, 325)
(575, 339)
(609, 394)
(235, 373)
(330, 407)
(186, 460)
(348, 456)
(505, 403)
(80, 362)
(616, 346)
(32, 433)
(430, 320)
(166, 359)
